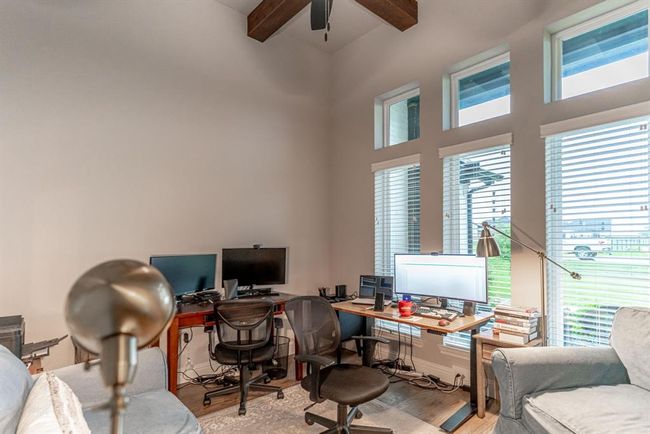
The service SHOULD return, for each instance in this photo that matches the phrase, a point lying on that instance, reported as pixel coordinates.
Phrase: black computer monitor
(187, 273)
(253, 266)
(371, 285)
(459, 277)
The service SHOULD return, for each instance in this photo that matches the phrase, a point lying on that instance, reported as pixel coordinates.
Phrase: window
(481, 92)
(397, 215)
(477, 189)
(601, 53)
(400, 117)
(597, 224)
(397, 222)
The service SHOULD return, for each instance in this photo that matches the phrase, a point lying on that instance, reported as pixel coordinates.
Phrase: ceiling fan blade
(320, 13)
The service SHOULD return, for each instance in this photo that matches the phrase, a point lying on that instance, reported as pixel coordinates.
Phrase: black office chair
(244, 329)
(317, 329)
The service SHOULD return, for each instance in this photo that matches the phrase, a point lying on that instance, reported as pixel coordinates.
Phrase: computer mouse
(443, 322)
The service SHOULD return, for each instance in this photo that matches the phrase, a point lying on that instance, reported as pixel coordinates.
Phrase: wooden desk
(201, 315)
(460, 324)
(486, 343)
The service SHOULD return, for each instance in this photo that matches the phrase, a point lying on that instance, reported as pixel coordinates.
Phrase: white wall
(448, 32)
(134, 128)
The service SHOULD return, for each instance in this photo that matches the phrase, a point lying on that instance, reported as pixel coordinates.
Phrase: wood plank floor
(430, 406)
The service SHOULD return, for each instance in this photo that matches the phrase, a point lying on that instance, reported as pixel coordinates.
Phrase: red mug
(406, 308)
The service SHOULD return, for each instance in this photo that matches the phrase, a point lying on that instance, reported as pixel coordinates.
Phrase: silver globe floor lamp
(113, 310)
(487, 247)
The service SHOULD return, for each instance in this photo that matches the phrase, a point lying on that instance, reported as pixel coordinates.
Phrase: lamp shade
(119, 297)
(487, 246)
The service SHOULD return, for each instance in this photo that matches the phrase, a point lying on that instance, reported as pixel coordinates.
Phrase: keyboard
(437, 313)
(257, 294)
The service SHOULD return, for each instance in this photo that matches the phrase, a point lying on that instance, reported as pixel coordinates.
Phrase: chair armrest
(316, 363)
(522, 371)
(372, 338)
(88, 385)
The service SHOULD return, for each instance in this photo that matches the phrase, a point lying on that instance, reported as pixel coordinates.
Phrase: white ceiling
(349, 21)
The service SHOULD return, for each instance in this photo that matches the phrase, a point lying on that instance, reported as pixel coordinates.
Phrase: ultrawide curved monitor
(459, 277)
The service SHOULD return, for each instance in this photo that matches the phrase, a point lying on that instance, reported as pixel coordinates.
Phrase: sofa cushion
(157, 412)
(630, 339)
(52, 407)
(15, 383)
(596, 409)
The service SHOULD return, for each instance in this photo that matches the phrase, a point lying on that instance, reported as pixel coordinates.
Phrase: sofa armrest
(522, 371)
(88, 385)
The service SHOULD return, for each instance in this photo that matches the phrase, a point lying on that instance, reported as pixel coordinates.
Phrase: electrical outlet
(188, 364)
(186, 337)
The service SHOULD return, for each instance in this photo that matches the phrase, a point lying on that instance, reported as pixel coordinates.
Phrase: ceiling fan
(320, 15)
(270, 15)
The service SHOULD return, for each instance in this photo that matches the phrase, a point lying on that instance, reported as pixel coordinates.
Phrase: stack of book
(518, 325)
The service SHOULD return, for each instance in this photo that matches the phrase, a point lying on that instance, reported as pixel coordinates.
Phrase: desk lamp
(113, 310)
(487, 247)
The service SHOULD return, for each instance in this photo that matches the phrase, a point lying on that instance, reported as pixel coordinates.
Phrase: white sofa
(152, 409)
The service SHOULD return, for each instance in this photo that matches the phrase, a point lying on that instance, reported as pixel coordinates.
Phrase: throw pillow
(15, 383)
(52, 408)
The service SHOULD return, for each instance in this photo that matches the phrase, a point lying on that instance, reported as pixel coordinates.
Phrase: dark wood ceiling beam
(270, 15)
(402, 14)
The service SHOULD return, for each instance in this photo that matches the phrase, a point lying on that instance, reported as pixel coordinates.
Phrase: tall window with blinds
(597, 224)
(477, 189)
(397, 215)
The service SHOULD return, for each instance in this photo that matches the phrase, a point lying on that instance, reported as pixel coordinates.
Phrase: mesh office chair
(317, 329)
(244, 329)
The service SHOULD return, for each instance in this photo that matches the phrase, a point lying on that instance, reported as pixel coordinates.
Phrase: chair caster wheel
(267, 380)
(308, 420)
(358, 415)
(206, 402)
(280, 395)
(241, 412)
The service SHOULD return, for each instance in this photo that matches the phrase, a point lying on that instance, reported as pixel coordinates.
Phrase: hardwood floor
(431, 406)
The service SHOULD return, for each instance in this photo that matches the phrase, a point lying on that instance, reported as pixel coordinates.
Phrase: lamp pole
(486, 238)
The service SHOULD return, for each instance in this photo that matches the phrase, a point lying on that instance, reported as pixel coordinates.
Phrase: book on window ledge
(516, 311)
(517, 338)
(515, 324)
(517, 329)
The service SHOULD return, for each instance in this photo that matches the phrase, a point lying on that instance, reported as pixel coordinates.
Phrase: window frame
(553, 135)
(586, 26)
(406, 163)
(385, 108)
(455, 78)
(490, 144)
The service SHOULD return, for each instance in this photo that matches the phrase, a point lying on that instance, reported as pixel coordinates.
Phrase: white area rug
(271, 415)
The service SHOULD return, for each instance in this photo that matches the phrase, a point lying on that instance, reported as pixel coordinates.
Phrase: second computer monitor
(370, 285)
(459, 277)
(187, 273)
(255, 266)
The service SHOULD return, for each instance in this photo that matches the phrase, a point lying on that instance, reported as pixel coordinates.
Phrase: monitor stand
(444, 304)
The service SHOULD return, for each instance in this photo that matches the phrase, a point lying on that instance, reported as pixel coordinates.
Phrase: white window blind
(397, 223)
(597, 224)
(477, 189)
(397, 215)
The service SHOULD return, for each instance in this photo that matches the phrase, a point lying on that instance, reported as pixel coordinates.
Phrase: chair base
(245, 384)
(343, 422)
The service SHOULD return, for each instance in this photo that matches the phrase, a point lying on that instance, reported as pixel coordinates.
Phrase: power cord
(218, 376)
